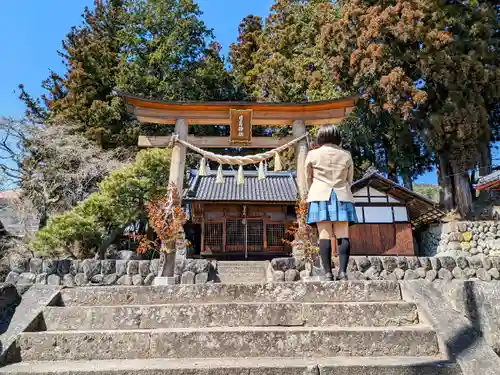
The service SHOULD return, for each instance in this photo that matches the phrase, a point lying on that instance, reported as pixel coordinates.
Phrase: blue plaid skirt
(332, 210)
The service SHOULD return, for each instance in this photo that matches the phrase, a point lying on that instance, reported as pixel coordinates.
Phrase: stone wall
(461, 239)
(476, 267)
(103, 272)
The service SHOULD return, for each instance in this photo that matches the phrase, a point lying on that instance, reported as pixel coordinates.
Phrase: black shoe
(342, 276)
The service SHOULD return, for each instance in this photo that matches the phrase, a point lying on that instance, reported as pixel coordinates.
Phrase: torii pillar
(299, 129)
(178, 158)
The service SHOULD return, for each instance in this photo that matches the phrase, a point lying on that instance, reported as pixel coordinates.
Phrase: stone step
(226, 342)
(346, 314)
(351, 291)
(241, 279)
(235, 366)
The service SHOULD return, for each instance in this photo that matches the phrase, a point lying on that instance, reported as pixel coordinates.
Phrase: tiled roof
(490, 179)
(276, 187)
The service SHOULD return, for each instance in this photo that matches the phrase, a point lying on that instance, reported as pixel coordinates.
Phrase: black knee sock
(344, 248)
(325, 251)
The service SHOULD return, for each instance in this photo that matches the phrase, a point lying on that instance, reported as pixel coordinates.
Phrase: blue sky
(31, 32)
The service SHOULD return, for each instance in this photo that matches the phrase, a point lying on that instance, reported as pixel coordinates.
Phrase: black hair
(329, 134)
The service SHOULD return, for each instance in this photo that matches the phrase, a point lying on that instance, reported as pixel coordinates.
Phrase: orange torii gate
(240, 116)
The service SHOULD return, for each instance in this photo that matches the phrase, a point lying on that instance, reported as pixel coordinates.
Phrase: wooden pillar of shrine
(299, 129)
(178, 160)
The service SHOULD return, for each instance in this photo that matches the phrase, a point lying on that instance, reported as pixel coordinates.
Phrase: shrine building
(245, 214)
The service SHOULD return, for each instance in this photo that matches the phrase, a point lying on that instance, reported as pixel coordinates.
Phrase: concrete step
(241, 279)
(240, 342)
(346, 314)
(351, 291)
(236, 366)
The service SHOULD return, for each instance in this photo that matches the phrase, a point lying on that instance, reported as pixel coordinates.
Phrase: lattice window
(235, 235)
(275, 233)
(214, 236)
(255, 233)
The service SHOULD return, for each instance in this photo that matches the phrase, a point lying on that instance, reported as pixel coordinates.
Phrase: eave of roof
(422, 209)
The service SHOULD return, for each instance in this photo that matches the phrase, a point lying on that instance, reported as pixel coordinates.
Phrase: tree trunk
(111, 238)
(462, 192)
(445, 183)
(407, 181)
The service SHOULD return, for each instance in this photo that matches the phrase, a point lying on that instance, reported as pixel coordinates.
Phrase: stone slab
(461, 341)
(233, 366)
(350, 314)
(32, 304)
(265, 292)
(479, 301)
(228, 342)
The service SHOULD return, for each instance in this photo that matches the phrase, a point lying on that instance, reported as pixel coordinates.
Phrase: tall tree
(283, 61)
(432, 64)
(242, 53)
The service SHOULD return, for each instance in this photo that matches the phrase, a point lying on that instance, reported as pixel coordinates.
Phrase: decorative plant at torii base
(304, 236)
(167, 218)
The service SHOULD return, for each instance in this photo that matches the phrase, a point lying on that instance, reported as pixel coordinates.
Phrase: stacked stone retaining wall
(71, 273)
(461, 239)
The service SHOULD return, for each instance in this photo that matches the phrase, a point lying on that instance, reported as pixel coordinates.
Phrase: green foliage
(120, 201)
(433, 65)
(158, 49)
(429, 191)
(282, 61)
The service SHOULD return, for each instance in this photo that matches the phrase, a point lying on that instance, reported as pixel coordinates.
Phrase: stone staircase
(240, 272)
(336, 328)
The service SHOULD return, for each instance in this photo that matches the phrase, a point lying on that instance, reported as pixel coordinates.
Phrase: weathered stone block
(154, 266)
(425, 263)
(454, 245)
(445, 274)
(278, 276)
(376, 263)
(18, 263)
(372, 273)
(283, 264)
(74, 269)
(91, 267)
(26, 278)
(399, 273)
(149, 279)
(411, 275)
(461, 262)
(63, 266)
(41, 279)
(121, 267)
(12, 277)
(435, 263)
(483, 274)
(495, 274)
(291, 275)
(188, 277)
(53, 279)
(81, 279)
(110, 279)
(447, 263)
(125, 280)
(362, 263)
(431, 275)
(402, 263)
(389, 264)
(469, 272)
(108, 266)
(35, 265)
(137, 280)
(132, 267)
(201, 278)
(413, 263)
(68, 280)
(458, 273)
(97, 279)
(144, 266)
(49, 266)
(421, 272)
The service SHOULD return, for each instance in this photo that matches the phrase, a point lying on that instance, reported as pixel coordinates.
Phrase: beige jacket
(329, 168)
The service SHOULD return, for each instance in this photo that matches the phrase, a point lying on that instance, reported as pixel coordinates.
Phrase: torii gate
(240, 116)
